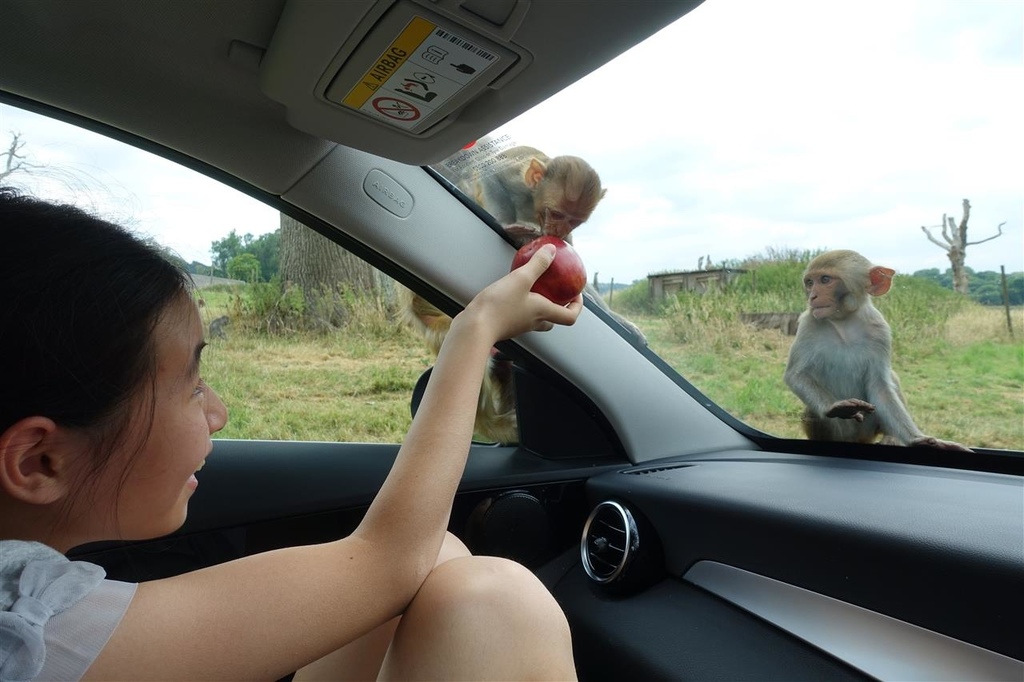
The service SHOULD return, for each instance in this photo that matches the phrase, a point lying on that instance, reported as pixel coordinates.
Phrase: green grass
(962, 373)
(304, 387)
(353, 384)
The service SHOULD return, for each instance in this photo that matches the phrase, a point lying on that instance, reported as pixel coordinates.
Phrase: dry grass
(978, 323)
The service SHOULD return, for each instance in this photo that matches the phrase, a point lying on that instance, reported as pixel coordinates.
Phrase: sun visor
(415, 80)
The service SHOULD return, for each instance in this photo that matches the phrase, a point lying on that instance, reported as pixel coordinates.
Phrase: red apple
(565, 277)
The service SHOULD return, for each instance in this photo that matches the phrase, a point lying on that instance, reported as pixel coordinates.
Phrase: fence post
(1006, 301)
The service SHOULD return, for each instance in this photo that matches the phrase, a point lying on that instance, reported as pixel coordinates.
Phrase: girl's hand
(508, 308)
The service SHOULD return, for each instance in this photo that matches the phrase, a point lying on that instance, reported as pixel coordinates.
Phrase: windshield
(748, 138)
(729, 149)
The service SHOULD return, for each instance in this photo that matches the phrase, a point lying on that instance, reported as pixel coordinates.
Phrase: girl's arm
(266, 615)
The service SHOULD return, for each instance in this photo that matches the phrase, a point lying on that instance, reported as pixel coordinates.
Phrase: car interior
(681, 542)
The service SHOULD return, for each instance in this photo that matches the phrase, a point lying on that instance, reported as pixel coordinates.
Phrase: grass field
(966, 384)
(962, 373)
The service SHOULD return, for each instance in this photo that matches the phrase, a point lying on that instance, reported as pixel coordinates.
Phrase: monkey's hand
(523, 233)
(930, 442)
(851, 408)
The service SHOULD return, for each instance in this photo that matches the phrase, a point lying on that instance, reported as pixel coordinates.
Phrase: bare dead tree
(17, 167)
(956, 244)
(13, 160)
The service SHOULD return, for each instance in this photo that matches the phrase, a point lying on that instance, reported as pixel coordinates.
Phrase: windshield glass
(746, 139)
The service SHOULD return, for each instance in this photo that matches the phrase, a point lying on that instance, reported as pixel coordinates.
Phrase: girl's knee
(480, 617)
(492, 583)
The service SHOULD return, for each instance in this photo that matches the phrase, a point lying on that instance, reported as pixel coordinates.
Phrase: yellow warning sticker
(397, 53)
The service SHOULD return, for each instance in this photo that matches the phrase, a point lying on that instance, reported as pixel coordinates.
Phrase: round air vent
(610, 541)
(513, 525)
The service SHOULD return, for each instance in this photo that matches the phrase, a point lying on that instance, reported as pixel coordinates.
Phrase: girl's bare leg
(361, 660)
(481, 618)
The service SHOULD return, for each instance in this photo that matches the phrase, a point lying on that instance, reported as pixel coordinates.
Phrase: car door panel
(260, 495)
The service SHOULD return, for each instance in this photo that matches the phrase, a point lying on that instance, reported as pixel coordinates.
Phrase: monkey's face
(558, 223)
(824, 295)
(566, 195)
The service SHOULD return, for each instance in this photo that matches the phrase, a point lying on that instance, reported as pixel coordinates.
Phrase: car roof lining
(199, 61)
(168, 70)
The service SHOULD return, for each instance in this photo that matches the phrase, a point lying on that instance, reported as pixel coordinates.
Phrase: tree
(223, 250)
(245, 267)
(264, 249)
(325, 272)
(13, 161)
(267, 249)
(956, 245)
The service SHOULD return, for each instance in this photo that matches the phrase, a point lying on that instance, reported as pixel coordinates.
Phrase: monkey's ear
(534, 172)
(881, 280)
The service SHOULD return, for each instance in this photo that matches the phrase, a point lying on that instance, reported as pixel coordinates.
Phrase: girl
(104, 425)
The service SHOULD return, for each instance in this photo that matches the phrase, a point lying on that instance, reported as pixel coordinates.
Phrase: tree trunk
(325, 272)
(960, 280)
(955, 244)
(958, 250)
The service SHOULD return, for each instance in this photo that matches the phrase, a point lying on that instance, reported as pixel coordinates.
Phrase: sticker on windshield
(482, 157)
(419, 73)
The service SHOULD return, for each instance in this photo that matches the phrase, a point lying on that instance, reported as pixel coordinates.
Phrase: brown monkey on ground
(217, 327)
(840, 364)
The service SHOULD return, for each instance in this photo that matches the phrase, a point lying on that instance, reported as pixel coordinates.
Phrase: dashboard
(832, 569)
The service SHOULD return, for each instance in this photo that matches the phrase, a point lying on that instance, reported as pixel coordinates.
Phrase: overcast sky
(746, 126)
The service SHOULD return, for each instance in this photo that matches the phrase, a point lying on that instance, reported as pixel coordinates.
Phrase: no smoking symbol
(398, 109)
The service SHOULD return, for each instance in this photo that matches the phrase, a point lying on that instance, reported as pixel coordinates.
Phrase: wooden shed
(665, 284)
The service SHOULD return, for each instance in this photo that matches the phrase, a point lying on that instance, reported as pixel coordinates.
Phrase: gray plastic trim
(881, 646)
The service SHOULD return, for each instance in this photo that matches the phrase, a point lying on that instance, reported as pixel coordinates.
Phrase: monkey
(496, 412)
(536, 195)
(840, 363)
(531, 196)
(217, 327)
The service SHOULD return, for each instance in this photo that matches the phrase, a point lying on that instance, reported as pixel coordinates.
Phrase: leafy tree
(987, 287)
(265, 249)
(223, 250)
(1015, 288)
(244, 266)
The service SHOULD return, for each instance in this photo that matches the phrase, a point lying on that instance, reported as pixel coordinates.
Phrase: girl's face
(151, 485)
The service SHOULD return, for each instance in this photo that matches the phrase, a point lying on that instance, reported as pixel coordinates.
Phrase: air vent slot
(609, 543)
(654, 470)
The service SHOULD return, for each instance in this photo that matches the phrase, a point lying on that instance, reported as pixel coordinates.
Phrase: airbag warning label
(418, 74)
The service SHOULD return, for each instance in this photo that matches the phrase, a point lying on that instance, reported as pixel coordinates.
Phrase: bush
(635, 298)
(276, 309)
(269, 307)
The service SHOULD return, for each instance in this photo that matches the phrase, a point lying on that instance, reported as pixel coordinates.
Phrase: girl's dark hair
(79, 298)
